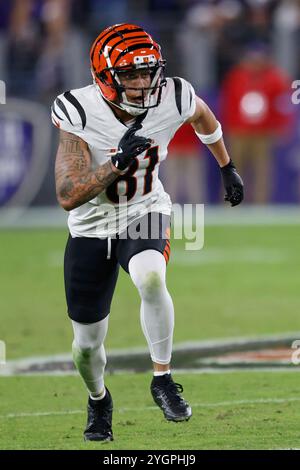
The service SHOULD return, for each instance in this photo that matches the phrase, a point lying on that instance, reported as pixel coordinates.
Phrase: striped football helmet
(123, 48)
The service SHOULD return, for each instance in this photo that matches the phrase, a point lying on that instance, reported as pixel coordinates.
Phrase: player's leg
(89, 354)
(145, 261)
(147, 270)
(90, 280)
(143, 254)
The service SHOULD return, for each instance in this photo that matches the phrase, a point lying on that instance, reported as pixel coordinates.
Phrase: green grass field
(245, 282)
(246, 410)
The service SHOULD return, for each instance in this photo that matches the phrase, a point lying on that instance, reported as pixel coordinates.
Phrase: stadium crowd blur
(241, 56)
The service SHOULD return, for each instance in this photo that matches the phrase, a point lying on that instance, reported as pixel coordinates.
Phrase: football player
(113, 136)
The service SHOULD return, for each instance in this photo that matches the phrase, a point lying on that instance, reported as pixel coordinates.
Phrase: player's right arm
(76, 182)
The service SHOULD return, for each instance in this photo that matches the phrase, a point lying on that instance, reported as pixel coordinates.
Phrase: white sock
(148, 272)
(161, 373)
(98, 397)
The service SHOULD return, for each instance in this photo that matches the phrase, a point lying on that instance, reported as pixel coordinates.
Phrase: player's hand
(129, 147)
(233, 184)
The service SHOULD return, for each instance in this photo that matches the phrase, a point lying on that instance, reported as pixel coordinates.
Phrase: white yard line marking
(42, 413)
(57, 364)
(257, 401)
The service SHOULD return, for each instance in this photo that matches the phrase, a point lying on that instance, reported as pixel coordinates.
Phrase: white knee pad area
(148, 272)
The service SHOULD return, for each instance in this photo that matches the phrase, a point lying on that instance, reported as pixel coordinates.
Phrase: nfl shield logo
(25, 138)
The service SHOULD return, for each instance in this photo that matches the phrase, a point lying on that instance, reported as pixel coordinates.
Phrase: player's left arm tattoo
(76, 182)
(205, 122)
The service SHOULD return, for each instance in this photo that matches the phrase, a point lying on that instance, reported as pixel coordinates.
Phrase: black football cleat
(99, 420)
(166, 395)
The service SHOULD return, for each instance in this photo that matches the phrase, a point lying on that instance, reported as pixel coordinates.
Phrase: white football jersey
(85, 113)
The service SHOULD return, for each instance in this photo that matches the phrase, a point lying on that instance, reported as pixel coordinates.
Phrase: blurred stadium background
(242, 57)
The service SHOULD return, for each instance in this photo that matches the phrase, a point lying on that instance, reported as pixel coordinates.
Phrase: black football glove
(129, 147)
(233, 184)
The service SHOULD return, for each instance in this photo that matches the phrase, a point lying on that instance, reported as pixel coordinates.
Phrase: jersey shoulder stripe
(178, 93)
(70, 110)
(63, 108)
(53, 110)
(191, 97)
(74, 101)
(185, 97)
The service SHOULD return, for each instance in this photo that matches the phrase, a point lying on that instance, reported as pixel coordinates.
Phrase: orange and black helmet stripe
(116, 44)
(116, 48)
(134, 47)
(114, 33)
